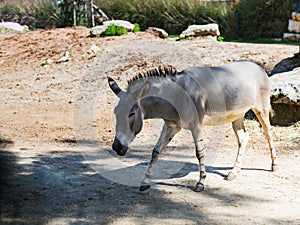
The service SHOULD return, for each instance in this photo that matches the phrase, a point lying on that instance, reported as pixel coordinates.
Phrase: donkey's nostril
(119, 148)
(116, 144)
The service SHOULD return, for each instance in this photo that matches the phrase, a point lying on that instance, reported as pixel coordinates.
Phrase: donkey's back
(225, 93)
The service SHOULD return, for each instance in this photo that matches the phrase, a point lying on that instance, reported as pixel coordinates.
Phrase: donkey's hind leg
(242, 137)
(263, 117)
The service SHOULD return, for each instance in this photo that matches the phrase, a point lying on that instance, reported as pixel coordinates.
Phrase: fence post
(145, 21)
(74, 13)
(34, 20)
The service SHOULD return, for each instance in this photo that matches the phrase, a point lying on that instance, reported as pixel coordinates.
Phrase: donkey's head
(129, 115)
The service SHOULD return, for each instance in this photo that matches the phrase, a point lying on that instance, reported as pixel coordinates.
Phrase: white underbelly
(223, 118)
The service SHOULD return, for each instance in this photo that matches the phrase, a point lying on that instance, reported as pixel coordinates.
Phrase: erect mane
(161, 71)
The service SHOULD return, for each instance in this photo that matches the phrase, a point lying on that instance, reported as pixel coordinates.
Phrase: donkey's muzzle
(119, 148)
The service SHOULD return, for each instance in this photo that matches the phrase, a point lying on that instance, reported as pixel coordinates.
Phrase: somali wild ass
(189, 99)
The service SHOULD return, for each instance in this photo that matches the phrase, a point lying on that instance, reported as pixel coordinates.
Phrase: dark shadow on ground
(60, 186)
(192, 167)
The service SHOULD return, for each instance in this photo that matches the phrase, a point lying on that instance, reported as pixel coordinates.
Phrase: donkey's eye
(131, 114)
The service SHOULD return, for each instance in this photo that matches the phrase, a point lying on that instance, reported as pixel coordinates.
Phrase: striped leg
(242, 137)
(263, 117)
(168, 132)
(200, 153)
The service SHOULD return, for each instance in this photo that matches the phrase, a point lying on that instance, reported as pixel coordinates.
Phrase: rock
(294, 26)
(65, 57)
(98, 30)
(291, 37)
(157, 31)
(123, 23)
(287, 64)
(285, 97)
(47, 62)
(201, 30)
(95, 49)
(296, 16)
(13, 26)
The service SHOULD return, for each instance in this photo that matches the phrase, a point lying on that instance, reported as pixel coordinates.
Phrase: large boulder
(157, 31)
(122, 23)
(287, 64)
(201, 30)
(285, 97)
(98, 30)
(294, 26)
(13, 26)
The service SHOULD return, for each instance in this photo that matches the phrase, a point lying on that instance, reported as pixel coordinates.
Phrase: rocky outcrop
(158, 32)
(293, 28)
(122, 23)
(285, 97)
(201, 30)
(287, 64)
(13, 26)
(97, 30)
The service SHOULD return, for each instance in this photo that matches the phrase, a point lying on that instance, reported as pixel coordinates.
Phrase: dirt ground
(57, 127)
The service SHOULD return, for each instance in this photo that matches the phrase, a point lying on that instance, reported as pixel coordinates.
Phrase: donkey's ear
(114, 86)
(144, 90)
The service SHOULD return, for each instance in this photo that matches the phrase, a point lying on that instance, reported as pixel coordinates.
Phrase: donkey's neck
(156, 107)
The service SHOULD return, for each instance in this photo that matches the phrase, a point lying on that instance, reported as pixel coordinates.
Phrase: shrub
(136, 27)
(172, 15)
(263, 19)
(113, 30)
(35, 14)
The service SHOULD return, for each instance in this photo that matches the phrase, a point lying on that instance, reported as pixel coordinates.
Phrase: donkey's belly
(224, 117)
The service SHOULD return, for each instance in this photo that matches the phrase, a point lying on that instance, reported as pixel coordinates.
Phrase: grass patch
(264, 41)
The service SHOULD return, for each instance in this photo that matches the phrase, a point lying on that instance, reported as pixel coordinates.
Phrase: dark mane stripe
(161, 71)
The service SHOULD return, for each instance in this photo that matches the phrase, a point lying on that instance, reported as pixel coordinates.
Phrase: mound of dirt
(49, 174)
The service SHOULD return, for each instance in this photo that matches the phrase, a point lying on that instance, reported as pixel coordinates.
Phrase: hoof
(199, 187)
(144, 187)
(230, 176)
(275, 168)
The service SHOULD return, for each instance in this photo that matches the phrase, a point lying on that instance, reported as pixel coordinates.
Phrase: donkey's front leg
(200, 152)
(168, 132)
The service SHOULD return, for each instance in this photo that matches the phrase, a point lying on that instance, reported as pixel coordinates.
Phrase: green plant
(120, 30)
(136, 27)
(220, 38)
(26, 28)
(113, 30)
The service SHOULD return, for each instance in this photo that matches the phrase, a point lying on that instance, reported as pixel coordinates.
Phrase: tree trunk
(90, 13)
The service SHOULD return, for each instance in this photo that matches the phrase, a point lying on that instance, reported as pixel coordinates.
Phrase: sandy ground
(57, 126)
